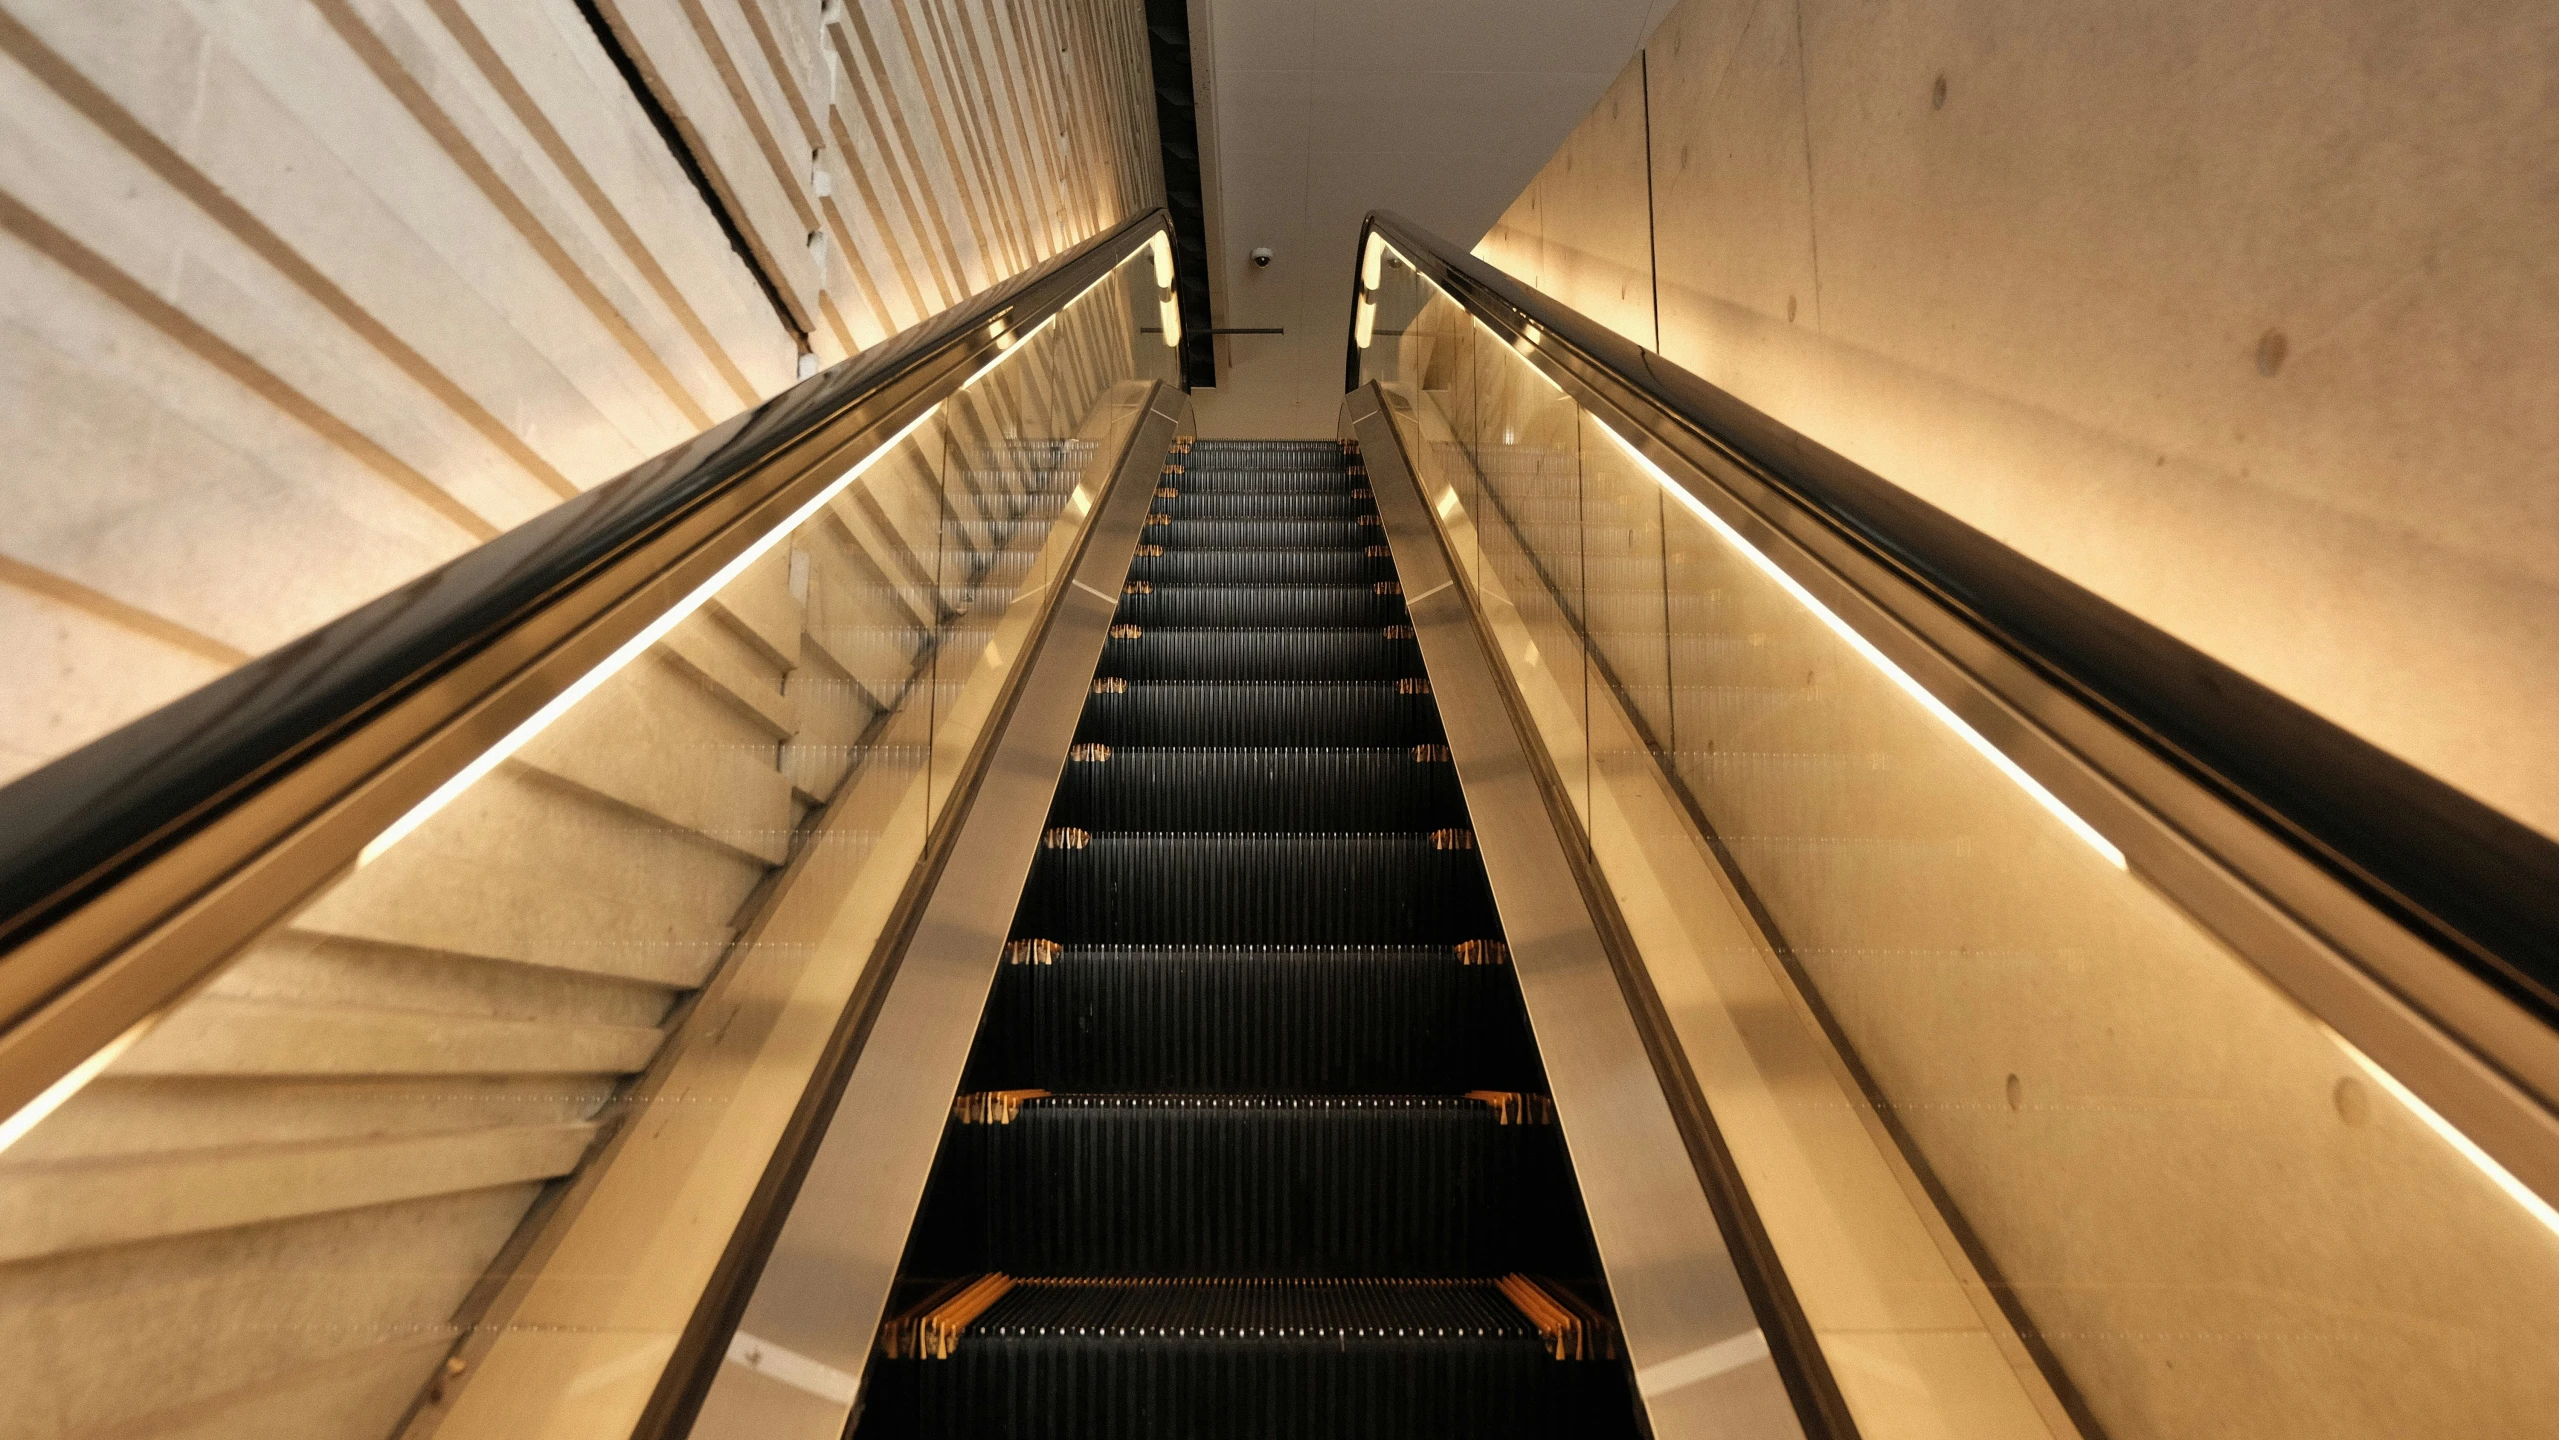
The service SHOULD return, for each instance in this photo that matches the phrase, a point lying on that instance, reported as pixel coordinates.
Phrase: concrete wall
(2241, 316)
(299, 298)
(374, 1178)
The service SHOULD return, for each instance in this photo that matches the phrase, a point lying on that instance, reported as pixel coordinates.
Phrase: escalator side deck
(1254, 1139)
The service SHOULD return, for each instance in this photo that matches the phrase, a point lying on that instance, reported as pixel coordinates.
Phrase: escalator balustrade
(1254, 1139)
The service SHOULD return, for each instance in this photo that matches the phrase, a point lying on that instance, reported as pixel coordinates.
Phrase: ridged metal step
(1175, 534)
(1158, 889)
(1209, 1361)
(1204, 504)
(1221, 1185)
(1257, 1020)
(1260, 567)
(1305, 1020)
(1386, 652)
(1264, 606)
(1364, 713)
(1378, 790)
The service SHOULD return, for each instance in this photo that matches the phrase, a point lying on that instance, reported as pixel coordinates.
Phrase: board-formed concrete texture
(299, 299)
(281, 1210)
(2239, 316)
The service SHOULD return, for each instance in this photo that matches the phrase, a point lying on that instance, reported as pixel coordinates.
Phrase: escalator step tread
(1155, 889)
(1330, 1020)
(1316, 1310)
(1238, 480)
(1357, 713)
(1256, 1020)
(1156, 656)
(1267, 789)
(1337, 1185)
(1261, 567)
(1223, 504)
(1209, 1360)
(1261, 535)
(1262, 606)
(1237, 456)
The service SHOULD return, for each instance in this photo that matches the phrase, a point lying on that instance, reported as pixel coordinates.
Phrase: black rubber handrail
(2471, 882)
(80, 826)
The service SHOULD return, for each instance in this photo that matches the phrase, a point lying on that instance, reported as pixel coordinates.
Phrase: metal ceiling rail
(131, 869)
(2419, 924)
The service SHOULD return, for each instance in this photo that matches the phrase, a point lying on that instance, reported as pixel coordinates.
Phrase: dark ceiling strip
(1168, 45)
(664, 120)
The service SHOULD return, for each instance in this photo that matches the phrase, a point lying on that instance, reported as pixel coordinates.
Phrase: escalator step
(1363, 1019)
(1266, 451)
(1261, 535)
(1258, 456)
(1410, 1360)
(1364, 713)
(1385, 653)
(1118, 788)
(1256, 1021)
(1263, 606)
(1201, 504)
(1256, 890)
(1262, 567)
(1245, 480)
(1365, 1186)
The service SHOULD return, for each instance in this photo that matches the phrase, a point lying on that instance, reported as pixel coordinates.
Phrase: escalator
(1253, 1131)
(950, 906)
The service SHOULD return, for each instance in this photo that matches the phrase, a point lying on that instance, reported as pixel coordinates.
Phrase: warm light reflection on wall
(2486, 1165)
(1877, 658)
(2480, 1160)
(1865, 648)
